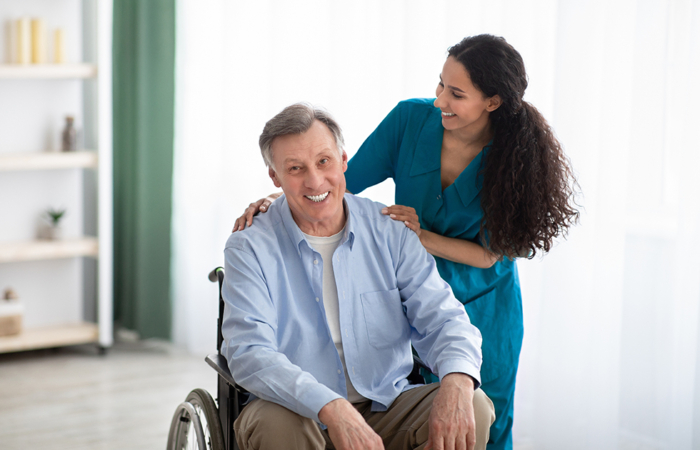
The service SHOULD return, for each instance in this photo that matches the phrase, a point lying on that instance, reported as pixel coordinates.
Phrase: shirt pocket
(385, 319)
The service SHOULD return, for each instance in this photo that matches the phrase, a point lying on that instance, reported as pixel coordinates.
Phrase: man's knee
(484, 416)
(266, 425)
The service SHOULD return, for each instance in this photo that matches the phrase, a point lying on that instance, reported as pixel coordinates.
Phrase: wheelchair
(202, 423)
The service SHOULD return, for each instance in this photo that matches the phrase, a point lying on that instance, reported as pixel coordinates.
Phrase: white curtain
(611, 314)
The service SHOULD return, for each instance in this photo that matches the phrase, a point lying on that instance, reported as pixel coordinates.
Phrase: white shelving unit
(54, 271)
(43, 250)
(48, 161)
(47, 71)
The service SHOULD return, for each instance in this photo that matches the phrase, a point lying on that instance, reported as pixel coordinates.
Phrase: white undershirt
(326, 247)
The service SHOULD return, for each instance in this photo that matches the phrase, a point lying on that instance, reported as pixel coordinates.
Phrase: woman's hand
(405, 214)
(253, 209)
(453, 249)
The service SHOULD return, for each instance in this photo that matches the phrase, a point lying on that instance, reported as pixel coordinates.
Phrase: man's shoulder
(368, 213)
(261, 234)
(365, 207)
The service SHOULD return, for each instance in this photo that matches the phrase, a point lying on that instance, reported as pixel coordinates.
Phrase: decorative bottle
(69, 141)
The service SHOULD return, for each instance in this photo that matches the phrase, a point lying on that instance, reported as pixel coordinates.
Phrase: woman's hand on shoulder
(252, 210)
(404, 214)
(454, 249)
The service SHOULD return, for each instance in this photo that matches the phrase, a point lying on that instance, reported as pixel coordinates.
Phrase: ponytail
(528, 185)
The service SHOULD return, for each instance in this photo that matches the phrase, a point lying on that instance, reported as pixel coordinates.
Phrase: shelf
(47, 71)
(31, 175)
(48, 160)
(42, 250)
(51, 336)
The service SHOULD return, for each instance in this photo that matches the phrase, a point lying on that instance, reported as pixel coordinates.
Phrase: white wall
(612, 314)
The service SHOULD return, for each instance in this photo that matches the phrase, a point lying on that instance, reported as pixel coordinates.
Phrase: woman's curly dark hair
(528, 185)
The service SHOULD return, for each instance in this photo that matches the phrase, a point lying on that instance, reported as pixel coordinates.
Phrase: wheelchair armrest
(220, 364)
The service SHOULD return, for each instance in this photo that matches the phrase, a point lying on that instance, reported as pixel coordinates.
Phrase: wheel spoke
(196, 424)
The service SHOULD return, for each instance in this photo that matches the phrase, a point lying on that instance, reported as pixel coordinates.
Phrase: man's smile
(318, 198)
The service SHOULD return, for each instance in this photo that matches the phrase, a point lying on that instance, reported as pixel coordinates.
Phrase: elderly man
(324, 296)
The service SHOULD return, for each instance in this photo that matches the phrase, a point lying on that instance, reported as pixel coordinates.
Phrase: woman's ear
(493, 103)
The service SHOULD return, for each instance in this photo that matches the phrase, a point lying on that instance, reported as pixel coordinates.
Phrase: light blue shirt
(390, 295)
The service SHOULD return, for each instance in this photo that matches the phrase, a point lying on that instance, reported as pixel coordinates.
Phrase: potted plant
(54, 216)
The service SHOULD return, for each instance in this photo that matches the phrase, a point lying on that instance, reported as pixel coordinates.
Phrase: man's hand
(451, 422)
(347, 428)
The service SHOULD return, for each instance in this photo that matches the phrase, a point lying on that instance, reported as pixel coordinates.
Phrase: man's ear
(345, 161)
(493, 103)
(273, 175)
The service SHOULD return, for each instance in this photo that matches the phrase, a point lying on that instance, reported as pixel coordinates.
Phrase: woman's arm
(457, 250)
(452, 249)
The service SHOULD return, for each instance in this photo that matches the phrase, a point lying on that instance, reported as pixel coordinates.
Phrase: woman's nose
(439, 100)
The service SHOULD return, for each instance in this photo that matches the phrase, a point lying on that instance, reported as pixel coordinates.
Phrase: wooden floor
(73, 398)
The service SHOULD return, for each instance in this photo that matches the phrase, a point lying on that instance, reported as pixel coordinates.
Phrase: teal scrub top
(407, 147)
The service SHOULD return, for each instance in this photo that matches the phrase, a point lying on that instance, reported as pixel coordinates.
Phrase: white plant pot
(54, 232)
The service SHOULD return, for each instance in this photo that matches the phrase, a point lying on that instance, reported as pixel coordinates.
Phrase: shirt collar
(297, 236)
(428, 153)
(429, 145)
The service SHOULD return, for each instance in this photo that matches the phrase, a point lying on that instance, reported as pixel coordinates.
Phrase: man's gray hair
(297, 119)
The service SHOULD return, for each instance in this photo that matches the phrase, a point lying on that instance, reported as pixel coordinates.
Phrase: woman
(481, 179)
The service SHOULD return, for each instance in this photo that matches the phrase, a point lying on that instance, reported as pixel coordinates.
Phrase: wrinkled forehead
(313, 143)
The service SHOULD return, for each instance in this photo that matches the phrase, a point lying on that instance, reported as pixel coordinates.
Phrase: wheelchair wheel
(196, 425)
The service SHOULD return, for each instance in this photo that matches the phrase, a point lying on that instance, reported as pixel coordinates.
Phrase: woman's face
(461, 103)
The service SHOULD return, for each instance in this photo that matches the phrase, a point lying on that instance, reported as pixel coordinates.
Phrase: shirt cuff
(449, 367)
(318, 398)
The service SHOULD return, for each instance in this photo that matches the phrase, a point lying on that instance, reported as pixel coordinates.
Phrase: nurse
(482, 180)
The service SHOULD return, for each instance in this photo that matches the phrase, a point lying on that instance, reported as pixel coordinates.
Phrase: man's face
(310, 171)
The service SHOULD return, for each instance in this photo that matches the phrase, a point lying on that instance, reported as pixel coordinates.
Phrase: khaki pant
(264, 425)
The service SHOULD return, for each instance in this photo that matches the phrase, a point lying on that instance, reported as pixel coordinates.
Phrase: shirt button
(338, 371)
(316, 298)
(439, 197)
(315, 261)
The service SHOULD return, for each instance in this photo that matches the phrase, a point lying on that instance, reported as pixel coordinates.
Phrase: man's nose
(314, 178)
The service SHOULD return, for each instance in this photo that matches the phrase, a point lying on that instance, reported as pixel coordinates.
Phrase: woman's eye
(456, 96)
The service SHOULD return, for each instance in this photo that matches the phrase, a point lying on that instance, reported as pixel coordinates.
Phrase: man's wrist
(459, 378)
(328, 412)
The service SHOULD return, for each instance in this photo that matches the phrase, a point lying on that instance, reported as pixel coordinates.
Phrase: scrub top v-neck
(407, 146)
